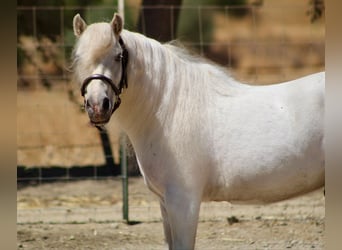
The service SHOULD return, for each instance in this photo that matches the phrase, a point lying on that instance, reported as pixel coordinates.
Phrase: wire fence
(259, 44)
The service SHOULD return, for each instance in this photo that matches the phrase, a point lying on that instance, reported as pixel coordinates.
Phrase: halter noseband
(123, 81)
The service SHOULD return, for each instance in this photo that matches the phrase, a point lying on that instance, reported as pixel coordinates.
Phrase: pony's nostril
(86, 104)
(105, 103)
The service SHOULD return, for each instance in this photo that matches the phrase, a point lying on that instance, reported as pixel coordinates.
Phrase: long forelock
(96, 41)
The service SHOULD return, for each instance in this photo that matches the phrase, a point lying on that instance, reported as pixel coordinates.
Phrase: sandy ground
(87, 215)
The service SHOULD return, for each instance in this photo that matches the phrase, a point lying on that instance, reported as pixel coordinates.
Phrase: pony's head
(100, 61)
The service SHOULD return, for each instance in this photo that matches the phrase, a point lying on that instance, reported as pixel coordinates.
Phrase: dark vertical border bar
(333, 167)
(8, 126)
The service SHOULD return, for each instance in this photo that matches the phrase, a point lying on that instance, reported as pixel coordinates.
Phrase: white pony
(198, 134)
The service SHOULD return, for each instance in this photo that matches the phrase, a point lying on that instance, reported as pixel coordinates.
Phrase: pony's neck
(151, 82)
(164, 82)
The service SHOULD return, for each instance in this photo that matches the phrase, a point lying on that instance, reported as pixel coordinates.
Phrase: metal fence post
(124, 176)
(123, 143)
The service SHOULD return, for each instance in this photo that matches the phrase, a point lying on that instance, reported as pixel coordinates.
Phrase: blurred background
(259, 42)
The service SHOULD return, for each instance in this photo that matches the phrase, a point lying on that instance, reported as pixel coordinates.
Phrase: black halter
(123, 81)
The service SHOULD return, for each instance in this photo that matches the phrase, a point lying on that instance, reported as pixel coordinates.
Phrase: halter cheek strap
(123, 81)
(124, 61)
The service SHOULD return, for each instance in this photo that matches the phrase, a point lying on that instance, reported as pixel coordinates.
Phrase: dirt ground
(87, 215)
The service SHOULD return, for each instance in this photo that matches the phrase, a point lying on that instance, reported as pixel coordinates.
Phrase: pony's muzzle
(99, 112)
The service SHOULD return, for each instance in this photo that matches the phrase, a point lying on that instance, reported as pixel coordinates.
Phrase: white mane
(172, 55)
(176, 76)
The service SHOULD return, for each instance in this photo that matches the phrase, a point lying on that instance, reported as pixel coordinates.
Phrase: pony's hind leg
(182, 210)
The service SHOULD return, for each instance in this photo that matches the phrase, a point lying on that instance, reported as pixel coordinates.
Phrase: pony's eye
(118, 57)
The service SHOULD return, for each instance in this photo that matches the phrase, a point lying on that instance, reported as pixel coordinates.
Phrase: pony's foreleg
(182, 210)
(166, 224)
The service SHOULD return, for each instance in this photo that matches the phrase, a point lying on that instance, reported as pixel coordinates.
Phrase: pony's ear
(117, 24)
(79, 25)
